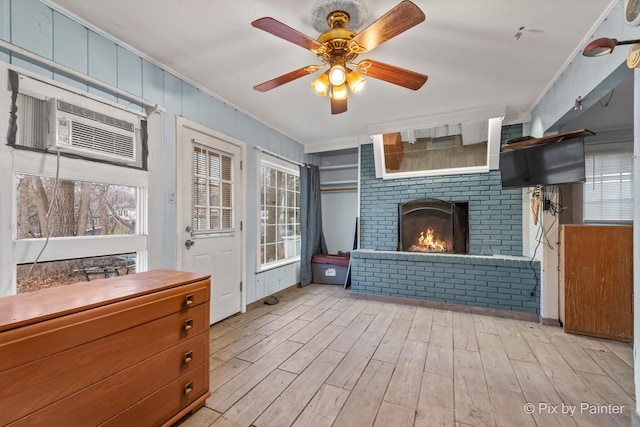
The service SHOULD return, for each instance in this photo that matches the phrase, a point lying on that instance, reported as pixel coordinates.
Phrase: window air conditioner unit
(92, 134)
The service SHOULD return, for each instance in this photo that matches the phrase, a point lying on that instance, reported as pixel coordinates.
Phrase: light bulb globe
(337, 75)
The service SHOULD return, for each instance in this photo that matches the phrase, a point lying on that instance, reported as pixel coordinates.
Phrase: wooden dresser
(124, 351)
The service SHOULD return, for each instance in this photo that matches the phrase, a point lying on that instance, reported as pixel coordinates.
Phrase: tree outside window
(79, 208)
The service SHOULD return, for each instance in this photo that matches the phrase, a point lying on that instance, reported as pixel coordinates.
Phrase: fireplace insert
(431, 225)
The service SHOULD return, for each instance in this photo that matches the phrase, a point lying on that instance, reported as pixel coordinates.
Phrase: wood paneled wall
(34, 26)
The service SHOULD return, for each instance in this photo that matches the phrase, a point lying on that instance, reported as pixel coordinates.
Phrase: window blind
(608, 190)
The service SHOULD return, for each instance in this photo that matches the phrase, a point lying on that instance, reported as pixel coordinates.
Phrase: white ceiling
(467, 48)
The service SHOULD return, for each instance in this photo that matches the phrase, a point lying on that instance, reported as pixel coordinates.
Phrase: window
(78, 228)
(450, 146)
(51, 274)
(81, 208)
(212, 204)
(423, 148)
(279, 219)
(608, 191)
(79, 219)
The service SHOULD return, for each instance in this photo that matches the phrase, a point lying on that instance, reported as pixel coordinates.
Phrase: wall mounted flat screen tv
(548, 164)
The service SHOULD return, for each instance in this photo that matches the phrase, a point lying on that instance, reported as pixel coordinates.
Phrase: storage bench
(330, 269)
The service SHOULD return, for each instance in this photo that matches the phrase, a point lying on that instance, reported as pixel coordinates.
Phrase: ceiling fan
(338, 47)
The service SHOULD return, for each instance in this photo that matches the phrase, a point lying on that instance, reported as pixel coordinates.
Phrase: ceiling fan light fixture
(339, 45)
(321, 84)
(356, 81)
(337, 75)
(339, 92)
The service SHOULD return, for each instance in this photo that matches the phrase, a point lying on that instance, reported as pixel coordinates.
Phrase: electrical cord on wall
(555, 207)
(533, 257)
(46, 242)
(554, 210)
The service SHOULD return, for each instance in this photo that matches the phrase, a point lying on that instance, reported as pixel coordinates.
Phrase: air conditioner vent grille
(100, 140)
(95, 116)
(32, 122)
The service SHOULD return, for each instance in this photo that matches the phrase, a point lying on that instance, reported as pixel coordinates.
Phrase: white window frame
(284, 166)
(15, 161)
(494, 116)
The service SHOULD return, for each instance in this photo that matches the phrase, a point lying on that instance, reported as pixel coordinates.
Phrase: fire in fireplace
(428, 243)
(431, 225)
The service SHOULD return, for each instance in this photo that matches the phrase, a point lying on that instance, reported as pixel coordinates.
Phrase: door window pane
(212, 190)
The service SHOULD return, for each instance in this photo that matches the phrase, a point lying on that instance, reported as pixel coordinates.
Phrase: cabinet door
(598, 263)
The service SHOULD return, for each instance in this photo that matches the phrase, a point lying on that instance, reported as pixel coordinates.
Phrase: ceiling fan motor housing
(321, 9)
(337, 44)
(338, 19)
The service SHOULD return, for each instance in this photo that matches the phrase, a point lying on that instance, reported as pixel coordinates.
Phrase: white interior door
(210, 214)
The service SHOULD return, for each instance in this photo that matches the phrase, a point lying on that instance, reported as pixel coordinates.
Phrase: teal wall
(507, 284)
(495, 227)
(37, 28)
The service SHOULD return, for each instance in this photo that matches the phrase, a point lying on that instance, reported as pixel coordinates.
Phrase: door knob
(189, 243)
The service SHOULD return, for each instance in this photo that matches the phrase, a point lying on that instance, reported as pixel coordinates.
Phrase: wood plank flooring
(323, 357)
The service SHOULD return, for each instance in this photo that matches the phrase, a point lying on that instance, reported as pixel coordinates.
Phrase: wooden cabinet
(129, 350)
(597, 288)
(393, 151)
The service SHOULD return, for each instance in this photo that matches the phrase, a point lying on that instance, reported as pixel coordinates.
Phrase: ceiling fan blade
(396, 21)
(338, 105)
(286, 78)
(287, 33)
(392, 74)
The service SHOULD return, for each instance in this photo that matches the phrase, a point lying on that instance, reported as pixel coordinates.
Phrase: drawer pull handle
(188, 388)
(188, 324)
(188, 300)
(188, 357)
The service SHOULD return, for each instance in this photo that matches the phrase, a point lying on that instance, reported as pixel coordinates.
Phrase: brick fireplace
(490, 272)
(433, 226)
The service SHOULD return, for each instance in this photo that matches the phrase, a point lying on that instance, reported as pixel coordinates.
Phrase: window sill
(273, 265)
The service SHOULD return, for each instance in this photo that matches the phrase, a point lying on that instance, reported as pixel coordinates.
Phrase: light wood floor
(322, 357)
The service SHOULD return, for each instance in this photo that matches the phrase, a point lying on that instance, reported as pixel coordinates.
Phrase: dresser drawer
(31, 386)
(28, 343)
(166, 402)
(97, 403)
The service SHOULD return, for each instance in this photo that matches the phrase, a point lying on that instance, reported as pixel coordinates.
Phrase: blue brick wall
(495, 227)
(491, 282)
(495, 215)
